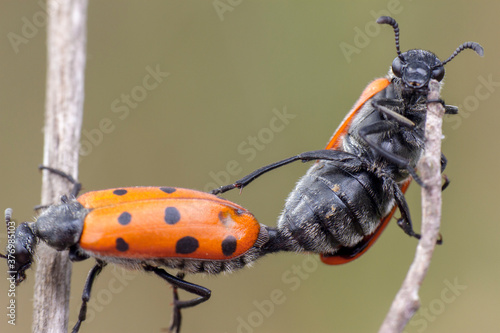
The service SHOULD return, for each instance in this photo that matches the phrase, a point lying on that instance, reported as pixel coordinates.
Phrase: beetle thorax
(60, 226)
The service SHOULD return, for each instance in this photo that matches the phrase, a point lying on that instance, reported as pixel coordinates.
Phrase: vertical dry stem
(407, 301)
(66, 43)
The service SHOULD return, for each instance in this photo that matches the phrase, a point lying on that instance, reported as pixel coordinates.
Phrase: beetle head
(415, 68)
(20, 248)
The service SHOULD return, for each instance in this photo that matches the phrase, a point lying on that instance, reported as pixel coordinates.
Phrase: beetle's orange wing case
(372, 89)
(189, 224)
(104, 198)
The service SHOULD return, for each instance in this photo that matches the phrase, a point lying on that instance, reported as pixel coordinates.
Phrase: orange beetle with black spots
(143, 228)
(346, 199)
(164, 222)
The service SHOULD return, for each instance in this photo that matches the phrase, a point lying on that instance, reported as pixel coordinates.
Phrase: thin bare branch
(407, 301)
(66, 44)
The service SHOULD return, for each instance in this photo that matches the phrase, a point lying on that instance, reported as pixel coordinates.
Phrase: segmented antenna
(392, 22)
(8, 218)
(468, 45)
(8, 215)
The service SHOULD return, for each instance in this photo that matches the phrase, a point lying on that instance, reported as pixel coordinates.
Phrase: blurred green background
(231, 71)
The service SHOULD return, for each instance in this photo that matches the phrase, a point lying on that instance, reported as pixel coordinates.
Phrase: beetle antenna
(8, 215)
(468, 45)
(8, 219)
(392, 22)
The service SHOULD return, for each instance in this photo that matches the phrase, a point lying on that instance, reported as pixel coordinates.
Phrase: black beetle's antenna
(468, 45)
(392, 22)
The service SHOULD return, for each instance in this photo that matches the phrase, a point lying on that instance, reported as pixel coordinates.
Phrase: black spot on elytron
(124, 218)
(121, 245)
(186, 245)
(229, 245)
(120, 192)
(172, 215)
(168, 190)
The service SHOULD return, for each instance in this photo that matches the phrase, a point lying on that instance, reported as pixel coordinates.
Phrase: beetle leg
(444, 162)
(446, 183)
(388, 102)
(439, 100)
(399, 118)
(450, 109)
(86, 293)
(76, 185)
(324, 154)
(405, 221)
(387, 126)
(176, 312)
(177, 282)
(76, 254)
(40, 207)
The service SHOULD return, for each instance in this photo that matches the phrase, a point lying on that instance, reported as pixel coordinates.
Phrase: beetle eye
(397, 67)
(438, 73)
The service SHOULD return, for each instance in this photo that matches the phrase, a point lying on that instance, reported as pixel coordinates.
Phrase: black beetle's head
(415, 68)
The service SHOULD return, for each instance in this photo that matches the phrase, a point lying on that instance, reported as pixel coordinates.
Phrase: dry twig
(66, 43)
(407, 302)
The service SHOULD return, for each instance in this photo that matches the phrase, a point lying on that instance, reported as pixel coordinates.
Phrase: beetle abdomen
(332, 208)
